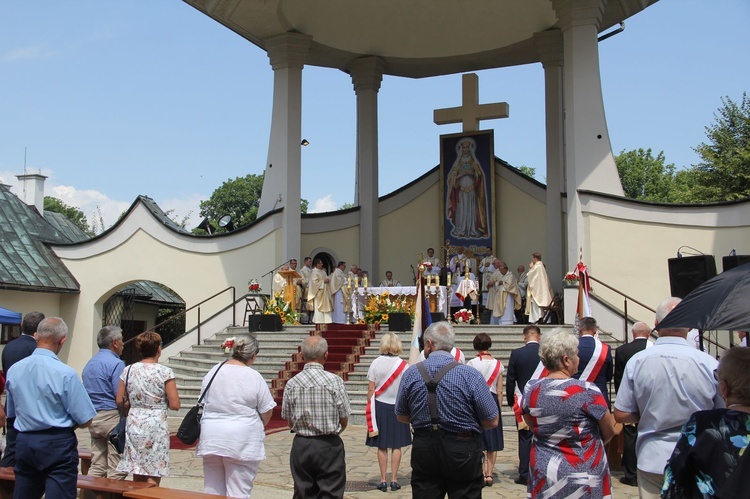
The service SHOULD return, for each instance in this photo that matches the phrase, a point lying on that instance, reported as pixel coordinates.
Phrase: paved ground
(274, 482)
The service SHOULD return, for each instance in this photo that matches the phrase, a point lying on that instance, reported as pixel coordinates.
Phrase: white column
(282, 183)
(31, 190)
(367, 74)
(588, 152)
(550, 49)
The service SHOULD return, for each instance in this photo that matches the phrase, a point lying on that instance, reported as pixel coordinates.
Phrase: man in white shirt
(661, 387)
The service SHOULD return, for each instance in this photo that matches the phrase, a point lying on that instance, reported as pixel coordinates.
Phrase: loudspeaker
(264, 322)
(689, 272)
(399, 321)
(437, 317)
(730, 262)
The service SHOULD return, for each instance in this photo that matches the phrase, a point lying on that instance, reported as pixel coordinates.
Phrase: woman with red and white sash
(492, 371)
(383, 430)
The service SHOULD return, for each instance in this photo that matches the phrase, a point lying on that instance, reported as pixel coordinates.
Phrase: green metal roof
(26, 262)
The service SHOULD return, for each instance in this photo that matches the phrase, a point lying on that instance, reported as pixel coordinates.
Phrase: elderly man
(524, 365)
(504, 298)
(539, 290)
(448, 405)
(317, 407)
(623, 354)
(48, 401)
(18, 349)
(661, 387)
(595, 357)
(319, 294)
(101, 378)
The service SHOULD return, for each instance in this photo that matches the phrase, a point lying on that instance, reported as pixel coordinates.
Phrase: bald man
(641, 332)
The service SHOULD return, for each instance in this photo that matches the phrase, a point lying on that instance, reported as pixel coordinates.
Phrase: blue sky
(112, 99)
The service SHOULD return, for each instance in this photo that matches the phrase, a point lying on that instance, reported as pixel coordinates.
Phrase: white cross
(470, 112)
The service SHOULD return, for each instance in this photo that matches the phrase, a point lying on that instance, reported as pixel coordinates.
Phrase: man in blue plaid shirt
(317, 408)
(446, 454)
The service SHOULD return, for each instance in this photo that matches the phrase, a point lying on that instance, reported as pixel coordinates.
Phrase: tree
(529, 171)
(724, 173)
(72, 213)
(644, 176)
(346, 206)
(239, 198)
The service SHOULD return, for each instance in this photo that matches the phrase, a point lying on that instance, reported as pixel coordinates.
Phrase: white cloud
(33, 52)
(326, 203)
(91, 203)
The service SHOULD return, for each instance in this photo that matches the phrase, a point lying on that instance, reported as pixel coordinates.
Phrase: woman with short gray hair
(571, 424)
(237, 406)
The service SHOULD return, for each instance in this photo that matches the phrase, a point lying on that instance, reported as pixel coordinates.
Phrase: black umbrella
(721, 303)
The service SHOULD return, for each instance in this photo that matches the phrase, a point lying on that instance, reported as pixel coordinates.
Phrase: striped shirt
(315, 401)
(463, 399)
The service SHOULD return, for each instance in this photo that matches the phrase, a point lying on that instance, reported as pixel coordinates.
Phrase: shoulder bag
(190, 428)
(117, 434)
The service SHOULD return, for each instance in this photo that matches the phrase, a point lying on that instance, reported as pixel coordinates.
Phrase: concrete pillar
(367, 74)
(282, 182)
(549, 45)
(589, 162)
(31, 190)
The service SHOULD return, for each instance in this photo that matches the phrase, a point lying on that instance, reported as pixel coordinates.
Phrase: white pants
(226, 476)
(649, 484)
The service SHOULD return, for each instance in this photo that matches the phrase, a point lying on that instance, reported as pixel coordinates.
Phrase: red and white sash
(457, 354)
(596, 362)
(493, 377)
(393, 375)
(539, 373)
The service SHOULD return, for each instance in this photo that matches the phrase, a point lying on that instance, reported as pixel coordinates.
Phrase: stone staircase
(279, 350)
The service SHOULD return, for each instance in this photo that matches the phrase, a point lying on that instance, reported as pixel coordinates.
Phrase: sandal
(488, 480)
(395, 486)
(383, 487)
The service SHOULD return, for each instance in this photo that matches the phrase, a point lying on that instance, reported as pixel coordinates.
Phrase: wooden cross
(470, 112)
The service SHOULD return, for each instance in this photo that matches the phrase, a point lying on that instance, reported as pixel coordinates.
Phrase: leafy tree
(239, 198)
(346, 206)
(529, 171)
(72, 213)
(644, 176)
(724, 173)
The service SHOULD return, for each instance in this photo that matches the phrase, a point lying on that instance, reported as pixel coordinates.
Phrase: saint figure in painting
(467, 196)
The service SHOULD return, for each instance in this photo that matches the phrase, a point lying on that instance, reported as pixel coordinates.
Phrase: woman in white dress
(492, 371)
(237, 407)
(151, 389)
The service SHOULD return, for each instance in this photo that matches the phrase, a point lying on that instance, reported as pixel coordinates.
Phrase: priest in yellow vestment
(319, 293)
(539, 290)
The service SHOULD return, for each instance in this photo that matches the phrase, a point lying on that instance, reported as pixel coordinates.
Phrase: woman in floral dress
(151, 389)
(571, 423)
(711, 457)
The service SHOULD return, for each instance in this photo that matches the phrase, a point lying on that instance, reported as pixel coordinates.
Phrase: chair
(254, 305)
(553, 313)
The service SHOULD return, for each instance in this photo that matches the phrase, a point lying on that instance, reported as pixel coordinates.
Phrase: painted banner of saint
(467, 189)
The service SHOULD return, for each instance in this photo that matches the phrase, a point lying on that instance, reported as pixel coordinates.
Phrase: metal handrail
(197, 305)
(625, 304)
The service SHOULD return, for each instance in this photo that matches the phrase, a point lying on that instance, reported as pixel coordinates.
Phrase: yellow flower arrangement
(277, 305)
(379, 307)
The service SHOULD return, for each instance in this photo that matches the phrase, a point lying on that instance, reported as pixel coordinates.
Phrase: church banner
(467, 192)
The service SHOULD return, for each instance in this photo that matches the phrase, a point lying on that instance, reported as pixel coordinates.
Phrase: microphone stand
(272, 271)
(413, 273)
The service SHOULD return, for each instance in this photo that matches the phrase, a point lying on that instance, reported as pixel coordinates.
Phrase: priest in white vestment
(504, 297)
(304, 281)
(319, 293)
(539, 290)
(342, 297)
(389, 281)
(486, 269)
(434, 268)
(279, 283)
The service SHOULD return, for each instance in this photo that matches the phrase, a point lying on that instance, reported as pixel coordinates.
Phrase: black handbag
(117, 434)
(190, 428)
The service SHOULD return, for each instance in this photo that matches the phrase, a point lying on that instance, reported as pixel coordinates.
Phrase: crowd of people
(684, 416)
(511, 299)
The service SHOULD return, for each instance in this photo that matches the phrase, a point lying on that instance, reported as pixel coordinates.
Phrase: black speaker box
(730, 262)
(437, 317)
(264, 322)
(689, 272)
(399, 321)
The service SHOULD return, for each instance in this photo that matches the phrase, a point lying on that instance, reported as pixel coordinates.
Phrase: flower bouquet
(463, 316)
(277, 305)
(570, 279)
(253, 286)
(380, 307)
(228, 345)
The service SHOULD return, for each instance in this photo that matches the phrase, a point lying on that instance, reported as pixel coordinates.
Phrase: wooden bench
(165, 493)
(90, 486)
(85, 456)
